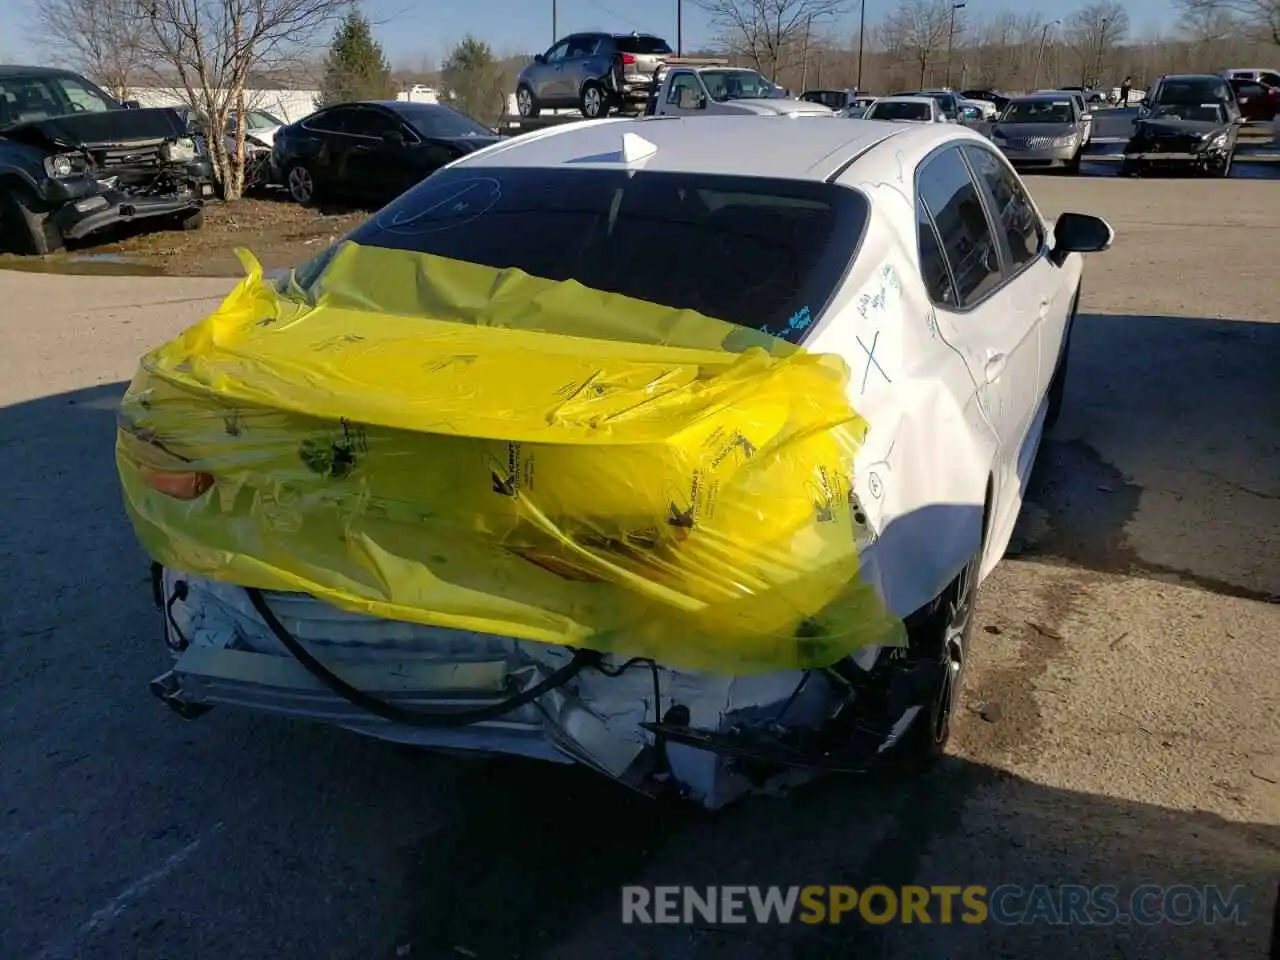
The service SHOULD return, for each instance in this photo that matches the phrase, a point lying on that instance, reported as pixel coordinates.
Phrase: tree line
(215, 50)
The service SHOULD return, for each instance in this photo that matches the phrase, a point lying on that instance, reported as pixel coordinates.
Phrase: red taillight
(181, 485)
(628, 58)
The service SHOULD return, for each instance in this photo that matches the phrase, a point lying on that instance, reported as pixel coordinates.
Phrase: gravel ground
(1122, 724)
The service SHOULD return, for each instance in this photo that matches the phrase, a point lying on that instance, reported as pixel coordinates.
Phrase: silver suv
(595, 72)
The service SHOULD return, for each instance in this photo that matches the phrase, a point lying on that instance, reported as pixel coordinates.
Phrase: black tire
(945, 634)
(594, 101)
(24, 224)
(1058, 385)
(1073, 166)
(1225, 170)
(301, 184)
(526, 103)
(192, 220)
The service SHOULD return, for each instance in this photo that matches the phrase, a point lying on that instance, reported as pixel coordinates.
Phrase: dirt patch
(278, 232)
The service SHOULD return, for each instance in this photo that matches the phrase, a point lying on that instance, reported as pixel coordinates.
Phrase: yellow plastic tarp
(451, 444)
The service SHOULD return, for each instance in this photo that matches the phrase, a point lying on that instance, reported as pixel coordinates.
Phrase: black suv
(595, 72)
(74, 161)
(1186, 121)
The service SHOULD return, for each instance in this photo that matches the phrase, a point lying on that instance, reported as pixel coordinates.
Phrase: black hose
(416, 718)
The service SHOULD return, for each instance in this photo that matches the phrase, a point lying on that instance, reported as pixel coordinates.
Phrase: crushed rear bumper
(710, 738)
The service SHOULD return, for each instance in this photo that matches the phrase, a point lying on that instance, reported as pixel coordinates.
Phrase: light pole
(679, 28)
(951, 34)
(1102, 38)
(554, 35)
(1044, 34)
(862, 32)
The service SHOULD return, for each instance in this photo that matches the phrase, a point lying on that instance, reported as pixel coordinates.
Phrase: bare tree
(213, 46)
(1254, 16)
(101, 38)
(918, 30)
(1093, 33)
(770, 34)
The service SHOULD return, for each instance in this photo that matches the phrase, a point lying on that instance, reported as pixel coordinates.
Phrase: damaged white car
(913, 253)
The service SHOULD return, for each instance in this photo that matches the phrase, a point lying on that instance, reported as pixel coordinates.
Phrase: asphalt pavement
(1121, 723)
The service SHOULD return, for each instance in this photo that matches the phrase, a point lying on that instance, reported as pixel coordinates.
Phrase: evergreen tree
(475, 81)
(355, 68)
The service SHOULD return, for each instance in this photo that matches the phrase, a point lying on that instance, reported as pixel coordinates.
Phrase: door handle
(1044, 308)
(995, 364)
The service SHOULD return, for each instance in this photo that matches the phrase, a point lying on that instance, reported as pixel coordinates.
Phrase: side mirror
(539, 58)
(131, 105)
(1086, 116)
(1237, 120)
(1080, 233)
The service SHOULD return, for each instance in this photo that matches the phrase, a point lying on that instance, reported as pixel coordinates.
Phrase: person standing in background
(1124, 91)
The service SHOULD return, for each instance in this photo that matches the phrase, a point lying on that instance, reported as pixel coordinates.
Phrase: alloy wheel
(301, 186)
(592, 101)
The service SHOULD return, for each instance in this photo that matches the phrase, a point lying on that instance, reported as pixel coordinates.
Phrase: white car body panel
(952, 400)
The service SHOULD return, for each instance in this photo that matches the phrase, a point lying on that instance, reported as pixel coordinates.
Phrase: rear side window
(953, 200)
(933, 264)
(652, 45)
(763, 253)
(1016, 216)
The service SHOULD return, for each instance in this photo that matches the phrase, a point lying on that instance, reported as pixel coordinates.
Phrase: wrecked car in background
(1186, 122)
(475, 479)
(74, 161)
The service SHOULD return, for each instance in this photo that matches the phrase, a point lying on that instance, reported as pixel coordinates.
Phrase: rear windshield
(896, 110)
(763, 253)
(642, 45)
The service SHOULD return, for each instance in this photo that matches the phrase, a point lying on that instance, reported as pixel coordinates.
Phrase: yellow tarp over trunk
(450, 444)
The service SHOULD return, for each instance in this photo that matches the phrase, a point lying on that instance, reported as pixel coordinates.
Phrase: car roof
(907, 98)
(18, 70)
(1043, 95)
(817, 147)
(1216, 77)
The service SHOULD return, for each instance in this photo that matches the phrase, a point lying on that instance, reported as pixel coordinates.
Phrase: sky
(415, 30)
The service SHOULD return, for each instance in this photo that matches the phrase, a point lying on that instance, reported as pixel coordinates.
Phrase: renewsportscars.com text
(1058, 905)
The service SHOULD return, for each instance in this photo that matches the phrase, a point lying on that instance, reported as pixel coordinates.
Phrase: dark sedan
(373, 150)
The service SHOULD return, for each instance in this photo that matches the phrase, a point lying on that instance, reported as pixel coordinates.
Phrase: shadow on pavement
(299, 841)
(1170, 425)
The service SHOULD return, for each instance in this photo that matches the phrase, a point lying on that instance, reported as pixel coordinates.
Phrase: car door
(549, 84)
(979, 314)
(1033, 285)
(379, 166)
(582, 63)
(326, 148)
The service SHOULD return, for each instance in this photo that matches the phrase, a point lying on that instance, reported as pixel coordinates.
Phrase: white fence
(288, 105)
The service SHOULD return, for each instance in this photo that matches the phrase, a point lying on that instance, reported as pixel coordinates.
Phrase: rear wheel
(24, 224)
(594, 101)
(301, 183)
(944, 634)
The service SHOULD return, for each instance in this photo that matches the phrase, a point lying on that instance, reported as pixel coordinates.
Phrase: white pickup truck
(702, 87)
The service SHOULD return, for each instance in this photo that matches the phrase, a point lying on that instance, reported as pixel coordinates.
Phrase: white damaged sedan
(914, 252)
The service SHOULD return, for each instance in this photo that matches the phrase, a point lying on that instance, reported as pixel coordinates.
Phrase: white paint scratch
(117, 905)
